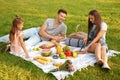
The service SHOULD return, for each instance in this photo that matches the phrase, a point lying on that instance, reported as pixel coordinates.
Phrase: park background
(35, 12)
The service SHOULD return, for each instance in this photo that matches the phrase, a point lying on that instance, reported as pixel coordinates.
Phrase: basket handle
(79, 26)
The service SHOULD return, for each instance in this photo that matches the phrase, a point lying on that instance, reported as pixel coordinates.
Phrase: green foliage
(35, 12)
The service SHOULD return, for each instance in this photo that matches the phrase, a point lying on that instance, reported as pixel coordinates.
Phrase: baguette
(47, 45)
(46, 59)
(37, 57)
(43, 60)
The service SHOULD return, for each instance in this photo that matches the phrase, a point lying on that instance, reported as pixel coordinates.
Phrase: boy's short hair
(62, 10)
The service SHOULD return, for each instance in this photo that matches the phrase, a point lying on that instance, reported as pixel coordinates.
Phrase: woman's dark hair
(97, 20)
(62, 10)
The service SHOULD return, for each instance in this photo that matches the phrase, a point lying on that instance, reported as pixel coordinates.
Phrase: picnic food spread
(67, 53)
(61, 53)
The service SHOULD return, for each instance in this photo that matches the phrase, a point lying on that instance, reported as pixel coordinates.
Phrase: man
(54, 29)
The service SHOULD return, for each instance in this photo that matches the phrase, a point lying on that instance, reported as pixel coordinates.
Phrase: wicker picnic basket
(76, 39)
(78, 34)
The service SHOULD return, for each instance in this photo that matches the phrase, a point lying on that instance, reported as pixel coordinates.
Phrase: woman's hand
(85, 50)
(85, 41)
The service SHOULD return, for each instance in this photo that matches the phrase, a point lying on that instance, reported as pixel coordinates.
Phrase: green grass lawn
(35, 12)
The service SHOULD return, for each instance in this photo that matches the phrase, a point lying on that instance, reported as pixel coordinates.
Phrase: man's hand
(58, 38)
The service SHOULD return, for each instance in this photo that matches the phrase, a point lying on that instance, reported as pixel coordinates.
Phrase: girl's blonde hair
(14, 27)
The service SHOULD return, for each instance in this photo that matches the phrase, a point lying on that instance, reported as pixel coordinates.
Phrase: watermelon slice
(46, 52)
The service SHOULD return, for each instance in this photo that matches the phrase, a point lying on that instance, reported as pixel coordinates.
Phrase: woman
(96, 41)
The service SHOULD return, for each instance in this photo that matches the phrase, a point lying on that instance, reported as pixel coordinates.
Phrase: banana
(58, 48)
(37, 57)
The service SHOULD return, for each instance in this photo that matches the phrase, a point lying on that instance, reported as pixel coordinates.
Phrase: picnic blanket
(81, 62)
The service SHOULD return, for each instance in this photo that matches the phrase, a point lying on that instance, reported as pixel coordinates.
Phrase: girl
(96, 41)
(16, 37)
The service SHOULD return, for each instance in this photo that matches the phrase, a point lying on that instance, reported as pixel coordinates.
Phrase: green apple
(37, 49)
(62, 55)
(74, 54)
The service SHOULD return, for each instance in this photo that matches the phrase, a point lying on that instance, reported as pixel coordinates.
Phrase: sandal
(100, 63)
(5, 49)
(106, 67)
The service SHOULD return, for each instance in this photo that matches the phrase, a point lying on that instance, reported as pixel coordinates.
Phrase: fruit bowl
(46, 52)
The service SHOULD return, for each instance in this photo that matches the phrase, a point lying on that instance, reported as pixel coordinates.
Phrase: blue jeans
(30, 34)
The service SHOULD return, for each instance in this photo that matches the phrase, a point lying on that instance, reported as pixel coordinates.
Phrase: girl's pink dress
(15, 45)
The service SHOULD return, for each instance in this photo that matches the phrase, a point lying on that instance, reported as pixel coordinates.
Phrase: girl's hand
(26, 56)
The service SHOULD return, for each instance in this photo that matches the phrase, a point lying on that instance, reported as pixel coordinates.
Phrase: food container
(58, 62)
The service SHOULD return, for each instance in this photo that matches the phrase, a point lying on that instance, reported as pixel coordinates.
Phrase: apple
(36, 49)
(68, 53)
(62, 55)
(74, 54)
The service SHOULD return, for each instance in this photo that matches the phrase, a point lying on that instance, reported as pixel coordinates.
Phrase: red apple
(68, 53)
